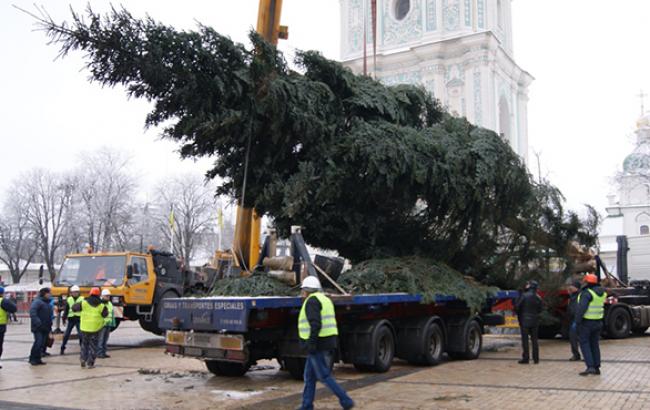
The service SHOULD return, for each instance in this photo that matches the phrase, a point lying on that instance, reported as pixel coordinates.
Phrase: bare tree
(105, 188)
(194, 206)
(17, 244)
(46, 197)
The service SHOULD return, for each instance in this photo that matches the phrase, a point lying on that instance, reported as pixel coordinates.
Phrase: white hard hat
(106, 292)
(311, 282)
(75, 288)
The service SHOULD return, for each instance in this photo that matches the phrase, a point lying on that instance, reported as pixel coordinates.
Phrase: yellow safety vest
(327, 316)
(3, 315)
(596, 308)
(91, 317)
(109, 319)
(71, 301)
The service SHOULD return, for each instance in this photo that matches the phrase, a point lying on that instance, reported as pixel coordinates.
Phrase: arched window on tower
(644, 230)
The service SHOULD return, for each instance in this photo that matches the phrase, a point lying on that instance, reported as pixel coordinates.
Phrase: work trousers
(40, 338)
(73, 323)
(589, 333)
(102, 341)
(525, 333)
(574, 340)
(89, 347)
(318, 368)
(3, 329)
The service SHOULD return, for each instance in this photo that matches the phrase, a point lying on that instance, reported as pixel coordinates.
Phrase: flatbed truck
(230, 334)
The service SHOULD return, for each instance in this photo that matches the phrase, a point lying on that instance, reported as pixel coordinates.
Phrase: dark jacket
(40, 314)
(8, 305)
(93, 301)
(528, 308)
(572, 306)
(312, 310)
(585, 298)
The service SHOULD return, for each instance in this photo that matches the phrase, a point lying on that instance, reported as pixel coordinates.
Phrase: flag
(171, 219)
(220, 218)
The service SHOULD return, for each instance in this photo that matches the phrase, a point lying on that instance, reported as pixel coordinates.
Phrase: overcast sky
(589, 59)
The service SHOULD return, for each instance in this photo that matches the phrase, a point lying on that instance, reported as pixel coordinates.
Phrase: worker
(574, 291)
(590, 312)
(40, 313)
(318, 334)
(109, 324)
(72, 318)
(528, 307)
(7, 308)
(93, 312)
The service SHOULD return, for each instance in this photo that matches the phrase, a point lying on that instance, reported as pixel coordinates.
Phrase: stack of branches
(370, 170)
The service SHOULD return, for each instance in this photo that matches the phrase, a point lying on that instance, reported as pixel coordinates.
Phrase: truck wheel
(619, 324)
(295, 366)
(548, 332)
(384, 343)
(433, 346)
(473, 341)
(228, 369)
(640, 331)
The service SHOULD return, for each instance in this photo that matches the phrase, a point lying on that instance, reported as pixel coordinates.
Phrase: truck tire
(384, 343)
(619, 324)
(227, 369)
(433, 346)
(295, 366)
(640, 331)
(548, 331)
(152, 326)
(473, 341)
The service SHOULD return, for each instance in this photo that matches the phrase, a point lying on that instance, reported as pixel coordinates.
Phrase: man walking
(318, 334)
(93, 312)
(72, 318)
(7, 308)
(528, 308)
(109, 324)
(574, 291)
(40, 314)
(590, 312)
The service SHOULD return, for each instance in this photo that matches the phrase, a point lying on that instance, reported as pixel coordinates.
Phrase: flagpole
(171, 229)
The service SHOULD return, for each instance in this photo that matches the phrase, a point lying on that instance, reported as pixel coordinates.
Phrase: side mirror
(129, 271)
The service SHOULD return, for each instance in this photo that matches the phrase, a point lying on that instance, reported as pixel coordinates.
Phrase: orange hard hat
(591, 278)
(94, 292)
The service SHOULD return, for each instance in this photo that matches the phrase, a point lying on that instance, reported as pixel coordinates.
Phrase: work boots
(590, 370)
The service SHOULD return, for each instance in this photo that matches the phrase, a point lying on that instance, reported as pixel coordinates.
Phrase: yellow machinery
(246, 243)
(139, 282)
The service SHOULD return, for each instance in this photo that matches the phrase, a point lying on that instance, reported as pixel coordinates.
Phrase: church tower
(460, 50)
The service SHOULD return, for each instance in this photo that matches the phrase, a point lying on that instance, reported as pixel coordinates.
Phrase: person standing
(574, 291)
(93, 312)
(318, 333)
(13, 300)
(72, 318)
(7, 308)
(590, 312)
(109, 324)
(40, 314)
(528, 308)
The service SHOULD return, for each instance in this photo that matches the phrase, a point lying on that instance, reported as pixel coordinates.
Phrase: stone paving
(140, 376)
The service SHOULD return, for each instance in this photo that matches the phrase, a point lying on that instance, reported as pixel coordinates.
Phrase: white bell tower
(460, 50)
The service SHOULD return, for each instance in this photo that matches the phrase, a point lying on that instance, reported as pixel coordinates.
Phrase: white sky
(589, 59)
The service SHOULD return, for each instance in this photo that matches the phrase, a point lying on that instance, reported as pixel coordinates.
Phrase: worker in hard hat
(318, 334)
(7, 307)
(590, 312)
(93, 312)
(72, 318)
(109, 324)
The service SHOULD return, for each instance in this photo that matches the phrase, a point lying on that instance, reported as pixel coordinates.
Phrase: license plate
(175, 338)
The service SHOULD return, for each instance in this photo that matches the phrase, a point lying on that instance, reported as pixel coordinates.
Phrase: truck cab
(138, 281)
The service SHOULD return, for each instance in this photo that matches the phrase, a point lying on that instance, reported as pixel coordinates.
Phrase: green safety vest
(596, 308)
(327, 316)
(71, 301)
(3, 315)
(108, 320)
(91, 317)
